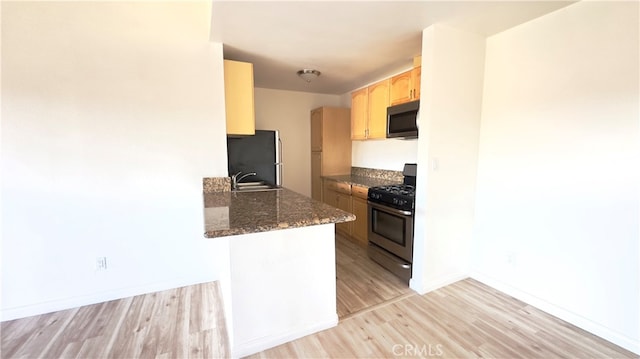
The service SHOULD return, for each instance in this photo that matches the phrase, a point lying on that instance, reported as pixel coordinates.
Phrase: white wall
(283, 286)
(388, 154)
(345, 100)
(450, 108)
(557, 218)
(111, 115)
(290, 112)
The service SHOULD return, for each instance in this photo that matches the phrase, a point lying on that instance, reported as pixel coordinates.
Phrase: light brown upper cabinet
(359, 114)
(239, 103)
(369, 111)
(378, 103)
(401, 89)
(405, 87)
(416, 72)
(415, 77)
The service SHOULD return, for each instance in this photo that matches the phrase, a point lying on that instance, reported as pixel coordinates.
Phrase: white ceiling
(351, 42)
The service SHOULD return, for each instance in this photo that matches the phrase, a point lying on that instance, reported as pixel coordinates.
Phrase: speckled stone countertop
(233, 213)
(369, 177)
(363, 180)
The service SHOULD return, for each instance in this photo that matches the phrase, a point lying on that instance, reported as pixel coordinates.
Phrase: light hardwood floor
(360, 282)
(464, 320)
(184, 322)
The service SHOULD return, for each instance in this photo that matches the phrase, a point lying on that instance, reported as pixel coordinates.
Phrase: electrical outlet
(101, 263)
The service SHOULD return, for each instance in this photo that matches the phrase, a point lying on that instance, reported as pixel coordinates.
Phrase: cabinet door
(359, 114)
(328, 196)
(415, 80)
(316, 130)
(316, 172)
(400, 88)
(360, 226)
(239, 105)
(343, 201)
(378, 103)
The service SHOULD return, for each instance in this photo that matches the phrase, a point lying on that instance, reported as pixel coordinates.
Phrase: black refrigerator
(260, 153)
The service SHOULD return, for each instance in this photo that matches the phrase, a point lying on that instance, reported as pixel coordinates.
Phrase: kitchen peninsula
(282, 275)
(233, 213)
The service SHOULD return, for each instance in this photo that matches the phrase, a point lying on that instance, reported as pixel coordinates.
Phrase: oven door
(391, 229)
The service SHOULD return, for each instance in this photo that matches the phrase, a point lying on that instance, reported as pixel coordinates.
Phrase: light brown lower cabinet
(338, 194)
(316, 170)
(344, 203)
(352, 199)
(360, 227)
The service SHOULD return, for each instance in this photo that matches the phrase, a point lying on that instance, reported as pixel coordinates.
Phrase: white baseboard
(255, 346)
(94, 298)
(424, 288)
(566, 315)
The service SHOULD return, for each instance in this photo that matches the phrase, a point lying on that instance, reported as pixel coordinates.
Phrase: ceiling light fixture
(308, 74)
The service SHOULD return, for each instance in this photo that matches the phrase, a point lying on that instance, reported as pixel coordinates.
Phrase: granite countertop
(233, 213)
(363, 180)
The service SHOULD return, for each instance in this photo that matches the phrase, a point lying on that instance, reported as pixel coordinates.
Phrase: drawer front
(338, 187)
(359, 191)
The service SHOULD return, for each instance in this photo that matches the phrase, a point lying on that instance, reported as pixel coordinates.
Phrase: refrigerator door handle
(279, 163)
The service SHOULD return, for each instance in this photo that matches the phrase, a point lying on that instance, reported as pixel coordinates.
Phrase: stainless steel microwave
(402, 120)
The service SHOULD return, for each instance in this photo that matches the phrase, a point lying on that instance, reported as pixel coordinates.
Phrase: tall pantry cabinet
(330, 145)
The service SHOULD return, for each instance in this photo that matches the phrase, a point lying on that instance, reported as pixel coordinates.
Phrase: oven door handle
(389, 209)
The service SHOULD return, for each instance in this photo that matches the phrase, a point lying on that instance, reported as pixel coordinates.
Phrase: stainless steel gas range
(391, 217)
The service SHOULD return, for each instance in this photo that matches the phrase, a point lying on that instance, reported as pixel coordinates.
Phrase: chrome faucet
(235, 179)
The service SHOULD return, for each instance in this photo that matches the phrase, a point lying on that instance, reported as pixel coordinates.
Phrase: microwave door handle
(418, 120)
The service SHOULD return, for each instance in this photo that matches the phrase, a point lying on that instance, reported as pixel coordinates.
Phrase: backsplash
(377, 173)
(223, 184)
(389, 154)
(216, 184)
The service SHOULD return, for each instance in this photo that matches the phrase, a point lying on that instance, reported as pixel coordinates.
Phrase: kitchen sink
(255, 187)
(246, 184)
